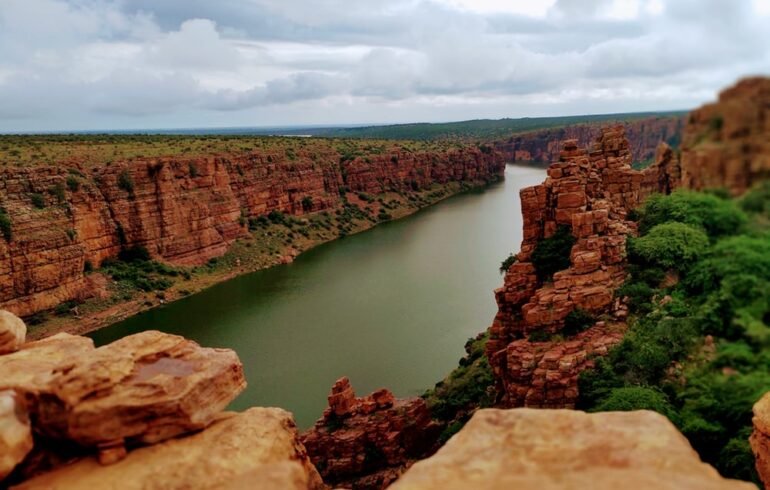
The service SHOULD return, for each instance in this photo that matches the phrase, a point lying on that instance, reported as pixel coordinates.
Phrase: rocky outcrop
(591, 193)
(727, 144)
(15, 432)
(185, 210)
(565, 449)
(644, 136)
(366, 442)
(760, 439)
(13, 332)
(142, 412)
(258, 448)
(142, 389)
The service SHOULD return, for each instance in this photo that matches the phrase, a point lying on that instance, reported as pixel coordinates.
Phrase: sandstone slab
(15, 432)
(565, 449)
(258, 448)
(12, 332)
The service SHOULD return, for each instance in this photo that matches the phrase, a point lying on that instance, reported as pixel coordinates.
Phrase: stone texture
(15, 432)
(12, 332)
(644, 135)
(760, 438)
(590, 191)
(141, 389)
(565, 449)
(366, 442)
(258, 448)
(727, 144)
(180, 215)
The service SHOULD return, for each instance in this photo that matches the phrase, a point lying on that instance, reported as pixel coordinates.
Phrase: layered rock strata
(184, 210)
(140, 390)
(591, 192)
(565, 449)
(726, 144)
(366, 442)
(644, 136)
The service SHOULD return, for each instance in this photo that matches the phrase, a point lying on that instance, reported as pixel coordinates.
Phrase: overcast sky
(98, 64)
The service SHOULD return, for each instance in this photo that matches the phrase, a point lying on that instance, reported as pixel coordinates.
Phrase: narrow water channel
(390, 307)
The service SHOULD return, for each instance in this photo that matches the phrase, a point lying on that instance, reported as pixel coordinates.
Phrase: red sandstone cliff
(644, 136)
(183, 210)
(590, 192)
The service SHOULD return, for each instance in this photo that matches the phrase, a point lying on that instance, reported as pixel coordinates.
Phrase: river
(389, 307)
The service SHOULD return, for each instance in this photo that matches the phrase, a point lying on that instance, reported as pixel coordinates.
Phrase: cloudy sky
(99, 64)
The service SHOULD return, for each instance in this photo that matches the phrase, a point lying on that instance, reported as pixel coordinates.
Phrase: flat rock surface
(258, 448)
(565, 449)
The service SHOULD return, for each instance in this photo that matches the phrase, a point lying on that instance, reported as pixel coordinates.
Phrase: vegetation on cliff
(698, 345)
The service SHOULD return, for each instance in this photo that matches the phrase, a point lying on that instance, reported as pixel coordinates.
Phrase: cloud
(66, 64)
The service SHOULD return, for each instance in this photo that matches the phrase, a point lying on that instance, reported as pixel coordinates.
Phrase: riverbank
(270, 242)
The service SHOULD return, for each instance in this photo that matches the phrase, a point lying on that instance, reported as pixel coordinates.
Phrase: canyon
(62, 391)
(184, 210)
(544, 146)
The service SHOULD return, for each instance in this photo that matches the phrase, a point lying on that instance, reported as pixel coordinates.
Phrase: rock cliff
(587, 197)
(644, 136)
(565, 449)
(59, 221)
(726, 144)
(367, 442)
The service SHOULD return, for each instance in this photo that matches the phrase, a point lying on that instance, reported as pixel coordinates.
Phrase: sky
(138, 64)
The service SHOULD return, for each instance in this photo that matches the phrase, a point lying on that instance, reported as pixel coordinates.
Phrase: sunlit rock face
(565, 449)
(15, 432)
(726, 145)
(760, 438)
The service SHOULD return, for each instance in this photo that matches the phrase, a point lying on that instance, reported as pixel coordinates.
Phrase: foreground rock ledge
(15, 432)
(258, 448)
(760, 438)
(565, 449)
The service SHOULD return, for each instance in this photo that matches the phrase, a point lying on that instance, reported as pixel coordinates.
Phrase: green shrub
(58, 192)
(757, 200)
(125, 181)
(73, 184)
(577, 321)
(6, 225)
(38, 200)
(507, 263)
(307, 203)
(193, 170)
(670, 245)
(717, 216)
(631, 398)
(552, 254)
(384, 215)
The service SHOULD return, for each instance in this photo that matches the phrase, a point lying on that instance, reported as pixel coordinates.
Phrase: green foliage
(663, 362)
(384, 215)
(125, 181)
(757, 200)
(6, 226)
(670, 246)
(576, 321)
(58, 192)
(307, 203)
(193, 170)
(466, 388)
(630, 398)
(552, 254)
(717, 216)
(73, 184)
(38, 200)
(507, 263)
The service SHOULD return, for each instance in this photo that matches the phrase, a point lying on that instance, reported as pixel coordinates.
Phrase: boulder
(565, 449)
(12, 332)
(760, 438)
(15, 432)
(258, 448)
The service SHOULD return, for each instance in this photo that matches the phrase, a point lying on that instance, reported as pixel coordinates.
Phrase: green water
(390, 307)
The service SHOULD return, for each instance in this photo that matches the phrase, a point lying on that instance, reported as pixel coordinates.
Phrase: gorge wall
(60, 221)
(644, 135)
(535, 361)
